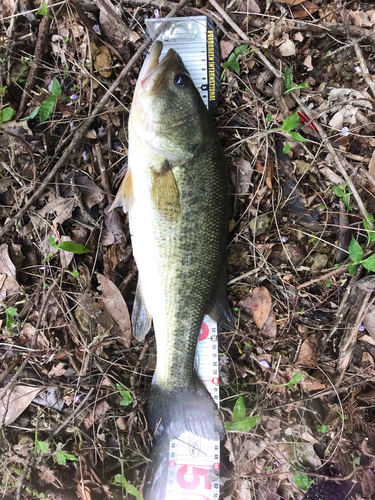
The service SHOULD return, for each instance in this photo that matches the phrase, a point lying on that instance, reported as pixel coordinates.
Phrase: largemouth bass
(176, 193)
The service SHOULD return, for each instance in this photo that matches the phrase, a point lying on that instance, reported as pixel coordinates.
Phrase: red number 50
(191, 485)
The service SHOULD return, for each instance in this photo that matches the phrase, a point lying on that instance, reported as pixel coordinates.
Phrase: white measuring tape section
(194, 462)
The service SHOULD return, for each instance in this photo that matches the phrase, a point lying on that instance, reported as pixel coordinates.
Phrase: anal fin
(124, 197)
(141, 319)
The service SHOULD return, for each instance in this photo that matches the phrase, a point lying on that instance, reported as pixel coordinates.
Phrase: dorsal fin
(124, 196)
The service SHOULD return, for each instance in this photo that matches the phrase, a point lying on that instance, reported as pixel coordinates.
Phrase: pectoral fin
(141, 319)
(220, 309)
(124, 196)
(165, 194)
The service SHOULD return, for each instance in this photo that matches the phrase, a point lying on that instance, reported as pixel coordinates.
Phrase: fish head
(168, 112)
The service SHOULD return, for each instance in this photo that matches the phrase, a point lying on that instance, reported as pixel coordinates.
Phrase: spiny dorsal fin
(124, 196)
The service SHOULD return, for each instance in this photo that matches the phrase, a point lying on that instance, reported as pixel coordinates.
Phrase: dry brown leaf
(269, 176)
(225, 49)
(19, 400)
(116, 306)
(362, 18)
(42, 341)
(304, 9)
(369, 322)
(47, 475)
(307, 355)
(243, 175)
(368, 483)
(308, 63)
(103, 62)
(62, 207)
(8, 282)
(261, 304)
(371, 165)
(96, 413)
(65, 257)
(57, 370)
(291, 2)
(270, 327)
(287, 48)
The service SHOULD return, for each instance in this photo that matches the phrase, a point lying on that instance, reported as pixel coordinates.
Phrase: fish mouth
(154, 69)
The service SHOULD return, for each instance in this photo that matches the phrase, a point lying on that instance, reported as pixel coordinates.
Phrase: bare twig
(40, 48)
(364, 68)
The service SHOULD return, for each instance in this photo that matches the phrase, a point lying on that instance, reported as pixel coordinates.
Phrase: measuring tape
(194, 39)
(194, 462)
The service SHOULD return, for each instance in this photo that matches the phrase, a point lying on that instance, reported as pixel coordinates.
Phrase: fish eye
(181, 80)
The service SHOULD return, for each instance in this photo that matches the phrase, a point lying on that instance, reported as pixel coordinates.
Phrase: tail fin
(188, 408)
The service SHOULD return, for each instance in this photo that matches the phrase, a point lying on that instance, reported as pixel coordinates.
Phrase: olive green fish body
(177, 196)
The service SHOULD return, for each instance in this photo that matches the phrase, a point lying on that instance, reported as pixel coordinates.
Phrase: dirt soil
(296, 116)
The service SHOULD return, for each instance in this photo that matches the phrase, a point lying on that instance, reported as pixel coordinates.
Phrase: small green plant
(288, 80)
(74, 273)
(232, 62)
(40, 445)
(370, 232)
(356, 255)
(34, 493)
(293, 382)
(302, 481)
(328, 284)
(67, 246)
(45, 110)
(356, 461)
(343, 193)
(6, 114)
(241, 422)
(120, 479)
(322, 428)
(10, 313)
(126, 397)
(3, 91)
(286, 149)
(43, 11)
(62, 456)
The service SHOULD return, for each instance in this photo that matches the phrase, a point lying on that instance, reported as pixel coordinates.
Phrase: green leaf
(302, 481)
(303, 85)
(119, 478)
(56, 87)
(47, 107)
(241, 49)
(369, 263)
(355, 251)
(322, 207)
(43, 9)
(322, 428)
(12, 311)
(288, 78)
(242, 425)
(62, 457)
(351, 269)
(269, 117)
(6, 114)
(239, 410)
(296, 378)
(52, 241)
(31, 115)
(235, 66)
(42, 446)
(298, 137)
(338, 191)
(291, 122)
(126, 397)
(70, 246)
(328, 284)
(286, 149)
